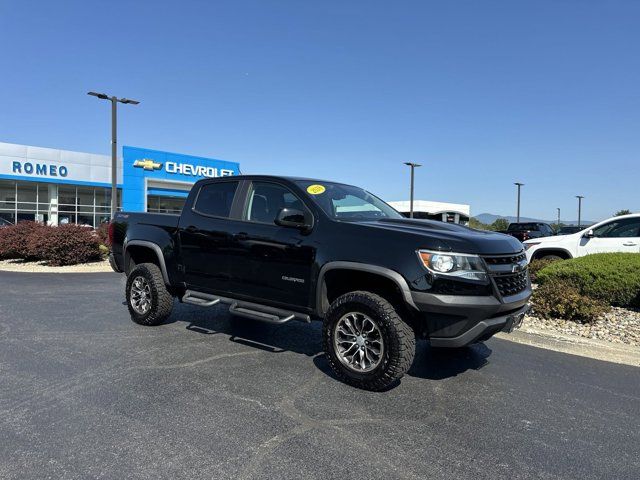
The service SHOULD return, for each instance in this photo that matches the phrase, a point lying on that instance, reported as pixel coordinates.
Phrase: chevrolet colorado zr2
(280, 249)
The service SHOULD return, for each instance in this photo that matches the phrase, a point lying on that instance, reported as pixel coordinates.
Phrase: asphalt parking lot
(86, 393)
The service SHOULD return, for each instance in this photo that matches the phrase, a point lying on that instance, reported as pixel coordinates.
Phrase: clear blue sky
(483, 93)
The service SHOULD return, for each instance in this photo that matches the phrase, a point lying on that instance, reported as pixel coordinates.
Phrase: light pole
(413, 166)
(579, 197)
(558, 229)
(518, 211)
(114, 143)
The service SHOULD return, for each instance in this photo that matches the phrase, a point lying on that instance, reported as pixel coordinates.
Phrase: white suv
(617, 234)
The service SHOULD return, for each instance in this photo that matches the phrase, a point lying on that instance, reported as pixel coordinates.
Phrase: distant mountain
(489, 218)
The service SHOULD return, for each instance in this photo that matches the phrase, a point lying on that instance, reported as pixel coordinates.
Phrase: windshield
(347, 203)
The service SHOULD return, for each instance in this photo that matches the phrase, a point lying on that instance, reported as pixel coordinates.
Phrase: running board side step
(254, 311)
(257, 315)
(200, 299)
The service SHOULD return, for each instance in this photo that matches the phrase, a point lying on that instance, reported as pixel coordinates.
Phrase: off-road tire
(161, 299)
(399, 340)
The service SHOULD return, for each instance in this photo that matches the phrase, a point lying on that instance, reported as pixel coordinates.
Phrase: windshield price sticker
(315, 189)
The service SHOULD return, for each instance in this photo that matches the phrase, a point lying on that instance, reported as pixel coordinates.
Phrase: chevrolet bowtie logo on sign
(147, 164)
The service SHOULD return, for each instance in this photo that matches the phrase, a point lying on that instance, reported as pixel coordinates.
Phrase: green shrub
(15, 240)
(558, 299)
(536, 265)
(104, 250)
(613, 278)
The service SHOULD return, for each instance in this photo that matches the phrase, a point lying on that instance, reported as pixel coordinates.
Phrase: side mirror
(294, 218)
(589, 234)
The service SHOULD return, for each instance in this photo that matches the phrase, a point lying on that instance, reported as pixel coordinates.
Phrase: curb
(573, 345)
(98, 267)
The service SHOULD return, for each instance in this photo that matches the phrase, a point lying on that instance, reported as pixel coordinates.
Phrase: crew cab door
(205, 232)
(271, 263)
(618, 235)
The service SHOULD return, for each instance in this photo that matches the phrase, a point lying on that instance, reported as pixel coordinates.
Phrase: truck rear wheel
(148, 299)
(366, 342)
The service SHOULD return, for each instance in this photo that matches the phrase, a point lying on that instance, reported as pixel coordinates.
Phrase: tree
(622, 212)
(500, 224)
(477, 224)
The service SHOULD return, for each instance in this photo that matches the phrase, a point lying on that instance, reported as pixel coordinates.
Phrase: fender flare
(158, 251)
(392, 275)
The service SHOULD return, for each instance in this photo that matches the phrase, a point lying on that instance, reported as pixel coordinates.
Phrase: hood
(450, 237)
(554, 239)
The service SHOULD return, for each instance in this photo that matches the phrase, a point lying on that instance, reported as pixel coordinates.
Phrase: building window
(8, 200)
(85, 205)
(165, 204)
(76, 204)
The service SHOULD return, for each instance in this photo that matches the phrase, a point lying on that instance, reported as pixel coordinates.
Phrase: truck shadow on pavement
(306, 339)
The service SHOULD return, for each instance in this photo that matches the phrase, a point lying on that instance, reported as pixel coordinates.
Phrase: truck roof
(280, 177)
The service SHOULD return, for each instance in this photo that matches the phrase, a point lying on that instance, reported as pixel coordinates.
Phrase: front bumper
(456, 321)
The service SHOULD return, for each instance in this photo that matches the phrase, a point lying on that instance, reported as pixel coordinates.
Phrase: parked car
(617, 234)
(278, 249)
(5, 223)
(528, 230)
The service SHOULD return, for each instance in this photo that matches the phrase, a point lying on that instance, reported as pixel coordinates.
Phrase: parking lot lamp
(114, 143)
(413, 166)
(519, 185)
(579, 197)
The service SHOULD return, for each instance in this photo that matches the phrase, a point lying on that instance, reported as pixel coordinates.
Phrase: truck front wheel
(366, 342)
(148, 299)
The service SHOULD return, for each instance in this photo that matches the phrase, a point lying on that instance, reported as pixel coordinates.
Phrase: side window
(216, 198)
(266, 200)
(628, 227)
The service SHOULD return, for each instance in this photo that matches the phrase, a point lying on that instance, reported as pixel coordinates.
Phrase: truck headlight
(459, 265)
(528, 245)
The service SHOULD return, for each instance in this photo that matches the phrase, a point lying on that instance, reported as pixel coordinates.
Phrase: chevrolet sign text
(196, 171)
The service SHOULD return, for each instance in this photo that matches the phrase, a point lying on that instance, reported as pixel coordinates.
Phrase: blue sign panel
(141, 165)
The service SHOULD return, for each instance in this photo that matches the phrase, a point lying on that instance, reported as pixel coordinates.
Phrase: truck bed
(131, 226)
(165, 220)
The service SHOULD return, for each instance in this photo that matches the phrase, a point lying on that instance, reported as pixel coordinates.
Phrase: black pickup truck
(278, 249)
(529, 230)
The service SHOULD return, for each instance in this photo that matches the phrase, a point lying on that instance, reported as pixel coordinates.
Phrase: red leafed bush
(103, 233)
(67, 245)
(15, 240)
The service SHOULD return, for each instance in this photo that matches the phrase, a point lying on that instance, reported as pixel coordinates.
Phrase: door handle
(191, 229)
(629, 244)
(241, 236)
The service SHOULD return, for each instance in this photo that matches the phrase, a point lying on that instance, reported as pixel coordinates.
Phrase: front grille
(512, 284)
(505, 260)
(509, 272)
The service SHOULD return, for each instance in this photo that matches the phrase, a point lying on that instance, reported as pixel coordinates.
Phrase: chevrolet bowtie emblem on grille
(147, 164)
(519, 267)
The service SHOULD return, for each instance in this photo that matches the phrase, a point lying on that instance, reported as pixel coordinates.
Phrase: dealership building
(60, 186)
(441, 211)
